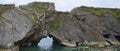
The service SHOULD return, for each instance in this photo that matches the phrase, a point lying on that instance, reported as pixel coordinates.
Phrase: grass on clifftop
(100, 11)
(1, 8)
(40, 6)
(6, 7)
(38, 9)
(56, 23)
(37, 6)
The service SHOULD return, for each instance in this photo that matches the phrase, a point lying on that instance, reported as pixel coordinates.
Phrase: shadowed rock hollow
(28, 24)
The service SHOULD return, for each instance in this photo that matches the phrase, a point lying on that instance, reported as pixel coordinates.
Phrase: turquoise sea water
(62, 48)
(46, 45)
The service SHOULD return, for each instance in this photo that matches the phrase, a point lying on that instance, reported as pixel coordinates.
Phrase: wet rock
(16, 48)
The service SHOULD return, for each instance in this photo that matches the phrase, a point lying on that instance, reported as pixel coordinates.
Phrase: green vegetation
(39, 6)
(32, 18)
(1, 8)
(56, 23)
(4, 8)
(38, 9)
(100, 11)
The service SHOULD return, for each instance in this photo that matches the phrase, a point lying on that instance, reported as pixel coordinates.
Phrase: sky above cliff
(67, 5)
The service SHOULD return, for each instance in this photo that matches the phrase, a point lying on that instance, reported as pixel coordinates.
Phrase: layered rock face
(84, 27)
(28, 24)
(25, 25)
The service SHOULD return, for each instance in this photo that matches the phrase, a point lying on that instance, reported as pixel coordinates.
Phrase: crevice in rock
(55, 40)
(80, 17)
(106, 35)
(77, 43)
(117, 37)
(83, 19)
(76, 16)
(109, 42)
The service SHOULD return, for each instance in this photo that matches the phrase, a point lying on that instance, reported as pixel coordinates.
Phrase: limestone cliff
(27, 24)
(83, 26)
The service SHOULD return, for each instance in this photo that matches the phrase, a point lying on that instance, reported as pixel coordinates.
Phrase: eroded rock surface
(83, 27)
(28, 24)
(23, 26)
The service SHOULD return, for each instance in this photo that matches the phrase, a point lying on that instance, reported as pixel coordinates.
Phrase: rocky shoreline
(27, 24)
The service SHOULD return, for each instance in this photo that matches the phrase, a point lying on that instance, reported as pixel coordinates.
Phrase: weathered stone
(16, 48)
(28, 24)
(23, 26)
(85, 28)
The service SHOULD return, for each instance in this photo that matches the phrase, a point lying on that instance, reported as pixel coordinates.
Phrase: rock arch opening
(46, 42)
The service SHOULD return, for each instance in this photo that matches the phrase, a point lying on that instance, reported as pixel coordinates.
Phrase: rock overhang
(78, 27)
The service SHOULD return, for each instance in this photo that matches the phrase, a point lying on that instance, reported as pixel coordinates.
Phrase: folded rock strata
(27, 24)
